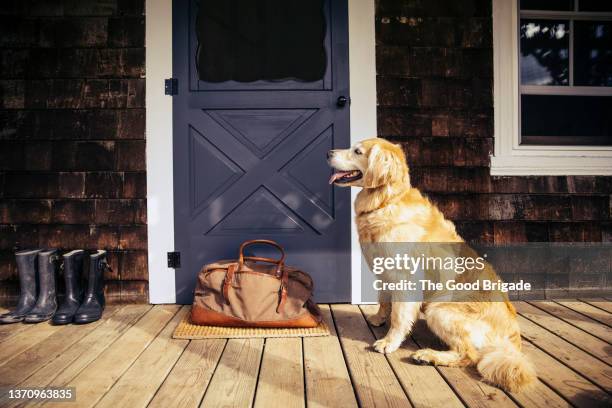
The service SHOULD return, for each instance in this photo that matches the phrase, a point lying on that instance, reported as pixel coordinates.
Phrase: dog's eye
(357, 151)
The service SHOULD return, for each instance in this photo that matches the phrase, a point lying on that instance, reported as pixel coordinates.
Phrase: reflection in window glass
(573, 120)
(544, 52)
(595, 5)
(592, 53)
(246, 40)
(557, 5)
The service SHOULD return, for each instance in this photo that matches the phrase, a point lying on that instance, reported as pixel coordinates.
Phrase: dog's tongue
(338, 175)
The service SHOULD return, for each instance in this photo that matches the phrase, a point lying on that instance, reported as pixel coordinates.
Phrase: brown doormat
(186, 330)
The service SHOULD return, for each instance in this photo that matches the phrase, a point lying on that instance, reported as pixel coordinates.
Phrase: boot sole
(87, 320)
(37, 319)
(18, 320)
(61, 322)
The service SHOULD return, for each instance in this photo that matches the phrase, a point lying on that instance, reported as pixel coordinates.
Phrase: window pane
(246, 40)
(593, 53)
(544, 52)
(574, 120)
(595, 5)
(563, 5)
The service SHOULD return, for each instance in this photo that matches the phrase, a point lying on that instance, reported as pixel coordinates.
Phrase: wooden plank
(465, 382)
(588, 310)
(98, 377)
(423, 384)
(23, 365)
(577, 319)
(566, 331)
(325, 369)
(9, 330)
(601, 303)
(23, 340)
(140, 382)
(67, 365)
(281, 376)
(572, 386)
(184, 387)
(595, 370)
(540, 395)
(373, 378)
(233, 383)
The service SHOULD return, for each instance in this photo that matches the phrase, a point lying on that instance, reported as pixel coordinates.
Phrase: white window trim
(511, 159)
(160, 182)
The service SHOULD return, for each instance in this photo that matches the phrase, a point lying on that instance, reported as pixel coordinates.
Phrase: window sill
(509, 165)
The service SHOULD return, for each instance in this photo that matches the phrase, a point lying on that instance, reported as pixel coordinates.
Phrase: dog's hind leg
(463, 335)
(403, 316)
(380, 317)
(449, 358)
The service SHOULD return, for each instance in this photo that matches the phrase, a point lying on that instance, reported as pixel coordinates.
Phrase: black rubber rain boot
(73, 271)
(26, 267)
(93, 305)
(46, 304)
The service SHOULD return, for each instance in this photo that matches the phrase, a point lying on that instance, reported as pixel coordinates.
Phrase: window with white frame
(565, 57)
(553, 87)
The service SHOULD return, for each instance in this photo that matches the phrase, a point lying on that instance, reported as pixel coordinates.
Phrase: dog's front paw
(376, 320)
(386, 345)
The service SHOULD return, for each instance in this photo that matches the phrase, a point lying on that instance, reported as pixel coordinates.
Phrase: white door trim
(362, 76)
(160, 204)
(160, 196)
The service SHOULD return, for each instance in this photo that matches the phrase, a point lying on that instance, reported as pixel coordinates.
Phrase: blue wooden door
(258, 105)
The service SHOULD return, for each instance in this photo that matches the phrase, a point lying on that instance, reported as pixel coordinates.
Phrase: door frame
(160, 185)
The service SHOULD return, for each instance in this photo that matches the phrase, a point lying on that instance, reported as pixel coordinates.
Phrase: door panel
(250, 150)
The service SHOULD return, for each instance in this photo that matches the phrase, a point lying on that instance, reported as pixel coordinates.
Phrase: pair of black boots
(38, 300)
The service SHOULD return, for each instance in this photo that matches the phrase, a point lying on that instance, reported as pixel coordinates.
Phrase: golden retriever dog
(483, 333)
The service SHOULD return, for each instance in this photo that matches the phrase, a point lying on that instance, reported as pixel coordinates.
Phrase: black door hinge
(171, 86)
(174, 259)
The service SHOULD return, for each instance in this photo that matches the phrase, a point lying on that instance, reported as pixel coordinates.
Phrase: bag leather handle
(281, 272)
(245, 244)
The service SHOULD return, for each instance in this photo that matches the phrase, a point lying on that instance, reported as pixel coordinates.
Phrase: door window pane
(595, 5)
(557, 5)
(544, 52)
(570, 120)
(592, 53)
(273, 40)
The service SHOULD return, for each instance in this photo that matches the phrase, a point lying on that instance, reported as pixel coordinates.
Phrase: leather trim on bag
(201, 316)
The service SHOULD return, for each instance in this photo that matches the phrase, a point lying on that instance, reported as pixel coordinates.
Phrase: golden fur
(481, 333)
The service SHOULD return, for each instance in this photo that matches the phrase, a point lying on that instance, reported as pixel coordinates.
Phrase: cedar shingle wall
(434, 76)
(72, 148)
(72, 135)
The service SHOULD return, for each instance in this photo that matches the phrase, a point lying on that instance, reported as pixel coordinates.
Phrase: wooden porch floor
(129, 359)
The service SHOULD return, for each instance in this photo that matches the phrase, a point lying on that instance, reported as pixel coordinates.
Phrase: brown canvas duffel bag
(254, 291)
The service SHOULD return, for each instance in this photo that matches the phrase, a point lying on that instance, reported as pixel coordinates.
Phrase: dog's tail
(505, 366)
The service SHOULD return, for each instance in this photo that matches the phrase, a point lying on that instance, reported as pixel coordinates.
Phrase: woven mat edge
(183, 329)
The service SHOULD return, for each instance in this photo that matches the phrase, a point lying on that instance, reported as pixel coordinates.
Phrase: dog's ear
(385, 166)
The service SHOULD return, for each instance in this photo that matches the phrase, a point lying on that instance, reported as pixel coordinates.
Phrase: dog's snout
(330, 153)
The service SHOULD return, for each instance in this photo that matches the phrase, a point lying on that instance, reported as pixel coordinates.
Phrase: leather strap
(260, 259)
(282, 290)
(278, 262)
(227, 282)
